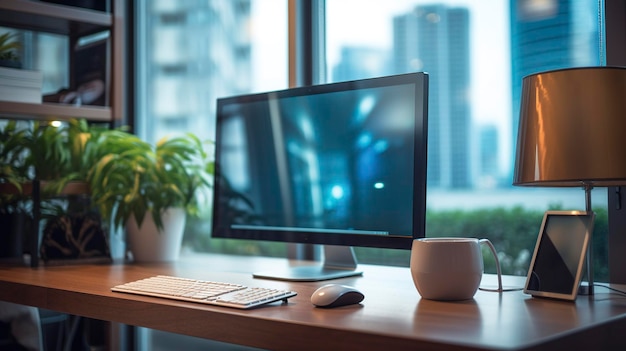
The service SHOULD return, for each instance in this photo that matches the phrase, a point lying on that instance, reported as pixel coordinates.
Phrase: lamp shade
(572, 128)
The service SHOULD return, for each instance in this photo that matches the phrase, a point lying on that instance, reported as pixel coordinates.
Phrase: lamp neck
(588, 187)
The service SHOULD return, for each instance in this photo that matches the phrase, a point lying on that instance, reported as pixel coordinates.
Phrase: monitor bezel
(392, 241)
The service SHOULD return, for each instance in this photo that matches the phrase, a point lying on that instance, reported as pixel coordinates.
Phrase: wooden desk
(392, 316)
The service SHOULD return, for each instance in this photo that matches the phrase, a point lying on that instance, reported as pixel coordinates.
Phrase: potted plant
(53, 158)
(150, 188)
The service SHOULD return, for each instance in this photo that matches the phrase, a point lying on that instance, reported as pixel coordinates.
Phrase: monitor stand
(339, 262)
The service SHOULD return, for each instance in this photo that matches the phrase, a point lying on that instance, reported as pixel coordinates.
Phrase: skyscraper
(361, 62)
(435, 39)
(194, 51)
(488, 170)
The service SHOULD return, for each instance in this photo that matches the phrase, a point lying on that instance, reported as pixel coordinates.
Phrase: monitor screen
(336, 164)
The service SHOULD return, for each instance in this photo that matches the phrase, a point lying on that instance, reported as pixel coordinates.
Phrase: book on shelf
(20, 85)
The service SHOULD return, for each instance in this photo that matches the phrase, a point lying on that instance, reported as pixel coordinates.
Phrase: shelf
(52, 18)
(52, 111)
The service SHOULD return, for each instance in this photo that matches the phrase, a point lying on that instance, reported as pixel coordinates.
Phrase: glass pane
(476, 53)
(191, 52)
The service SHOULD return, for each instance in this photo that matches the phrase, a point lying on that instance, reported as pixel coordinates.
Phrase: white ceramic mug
(449, 268)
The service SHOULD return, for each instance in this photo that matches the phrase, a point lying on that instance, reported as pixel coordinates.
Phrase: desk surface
(392, 316)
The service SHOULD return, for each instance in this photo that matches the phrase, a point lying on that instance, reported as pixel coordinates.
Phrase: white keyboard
(202, 291)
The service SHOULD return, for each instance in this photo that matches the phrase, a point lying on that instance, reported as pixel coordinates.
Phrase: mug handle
(495, 256)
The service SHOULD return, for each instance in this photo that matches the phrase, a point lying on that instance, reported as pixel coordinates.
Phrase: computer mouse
(336, 295)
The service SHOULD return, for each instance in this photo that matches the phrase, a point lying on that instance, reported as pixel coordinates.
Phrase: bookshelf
(74, 23)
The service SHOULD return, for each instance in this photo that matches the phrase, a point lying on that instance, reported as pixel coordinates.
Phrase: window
(191, 52)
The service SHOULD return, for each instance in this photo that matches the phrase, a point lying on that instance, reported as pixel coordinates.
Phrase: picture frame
(557, 263)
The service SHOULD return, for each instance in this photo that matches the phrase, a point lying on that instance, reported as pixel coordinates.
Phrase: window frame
(615, 37)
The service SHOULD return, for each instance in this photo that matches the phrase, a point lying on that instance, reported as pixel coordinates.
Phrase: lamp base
(585, 290)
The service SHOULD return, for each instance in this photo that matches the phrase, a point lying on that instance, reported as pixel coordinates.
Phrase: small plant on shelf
(9, 45)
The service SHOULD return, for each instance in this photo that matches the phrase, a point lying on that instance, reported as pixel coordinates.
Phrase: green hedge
(513, 231)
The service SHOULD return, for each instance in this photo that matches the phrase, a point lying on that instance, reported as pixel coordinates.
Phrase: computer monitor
(341, 164)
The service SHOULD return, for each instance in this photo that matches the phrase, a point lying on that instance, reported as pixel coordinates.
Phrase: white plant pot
(148, 244)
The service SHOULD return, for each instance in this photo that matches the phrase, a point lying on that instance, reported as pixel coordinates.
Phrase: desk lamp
(572, 132)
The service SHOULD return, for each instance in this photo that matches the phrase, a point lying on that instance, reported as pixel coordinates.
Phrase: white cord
(498, 270)
(611, 288)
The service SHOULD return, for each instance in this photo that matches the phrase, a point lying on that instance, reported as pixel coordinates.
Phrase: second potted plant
(150, 188)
